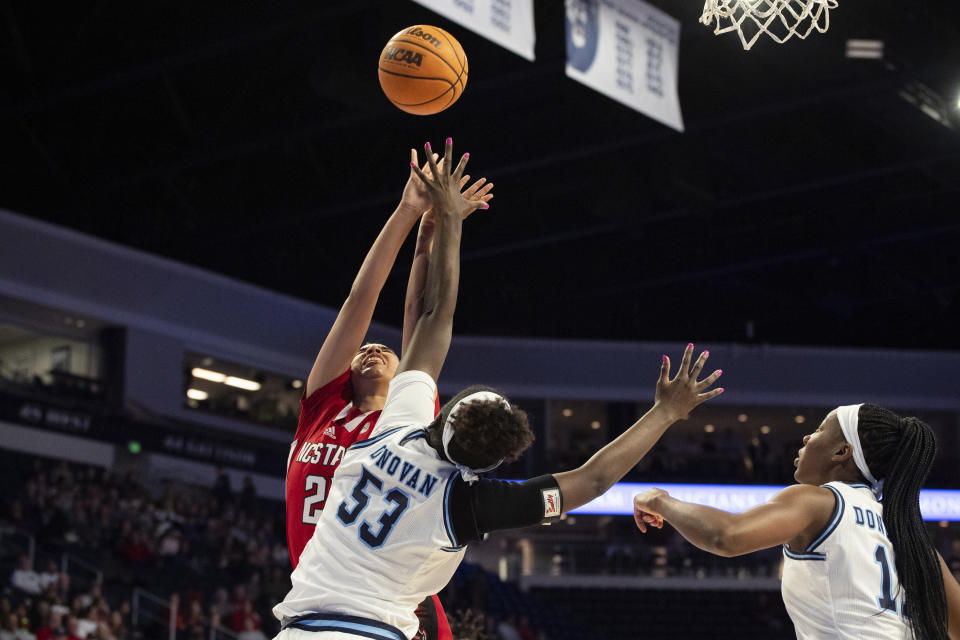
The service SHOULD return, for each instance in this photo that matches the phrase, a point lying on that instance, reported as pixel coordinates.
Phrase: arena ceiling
(811, 199)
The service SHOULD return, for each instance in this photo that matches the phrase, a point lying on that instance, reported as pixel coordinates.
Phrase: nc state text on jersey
(325, 453)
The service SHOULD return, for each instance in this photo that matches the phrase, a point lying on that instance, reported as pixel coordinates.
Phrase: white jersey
(844, 584)
(384, 541)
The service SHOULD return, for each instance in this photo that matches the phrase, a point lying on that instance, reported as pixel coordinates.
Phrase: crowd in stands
(217, 560)
(216, 557)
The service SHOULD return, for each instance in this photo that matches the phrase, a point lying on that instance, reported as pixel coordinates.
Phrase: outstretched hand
(680, 396)
(443, 185)
(416, 198)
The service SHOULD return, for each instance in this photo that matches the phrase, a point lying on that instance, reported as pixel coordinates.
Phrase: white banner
(509, 23)
(628, 51)
(935, 504)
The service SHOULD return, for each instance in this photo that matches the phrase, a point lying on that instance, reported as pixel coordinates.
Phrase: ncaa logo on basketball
(583, 28)
(403, 55)
(551, 502)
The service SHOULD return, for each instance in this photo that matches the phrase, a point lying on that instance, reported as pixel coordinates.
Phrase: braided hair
(900, 452)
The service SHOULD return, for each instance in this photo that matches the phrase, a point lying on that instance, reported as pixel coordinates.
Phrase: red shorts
(433, 620)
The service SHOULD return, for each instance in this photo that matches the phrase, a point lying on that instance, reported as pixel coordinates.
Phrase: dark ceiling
(808, 202)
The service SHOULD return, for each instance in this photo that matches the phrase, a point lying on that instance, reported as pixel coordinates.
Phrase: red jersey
(328, 425)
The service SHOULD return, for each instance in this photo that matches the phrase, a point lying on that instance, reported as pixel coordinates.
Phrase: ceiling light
(764, 429)
(206, 374)
(242, 383)
(567, 413)
(865, 49)
(709, 428)
(197, 394)
(742, 417)
(595, 425)
(799, 419)
(297, 384)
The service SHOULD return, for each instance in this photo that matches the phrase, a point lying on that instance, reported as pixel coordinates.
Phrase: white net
(779, 19)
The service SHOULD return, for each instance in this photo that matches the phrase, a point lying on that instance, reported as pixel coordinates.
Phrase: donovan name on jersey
(406, 473)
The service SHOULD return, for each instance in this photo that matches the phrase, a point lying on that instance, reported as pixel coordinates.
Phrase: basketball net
(779, 19)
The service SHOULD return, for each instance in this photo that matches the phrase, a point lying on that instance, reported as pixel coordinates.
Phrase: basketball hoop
(779, 19)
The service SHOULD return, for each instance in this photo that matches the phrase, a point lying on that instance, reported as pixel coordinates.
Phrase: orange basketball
(423, 70)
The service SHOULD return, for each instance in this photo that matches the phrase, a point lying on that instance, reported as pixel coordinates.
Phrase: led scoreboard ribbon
(935, 504)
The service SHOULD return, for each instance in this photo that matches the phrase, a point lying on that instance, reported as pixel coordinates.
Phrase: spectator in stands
(221, 487)
(50, 576)
(24, 578)
(73, 628)
(526, 630)
(507, 629)
(244, 618)
(50, 621)
(196, 621)
(251, 631)
(15, 629)
(249, 492)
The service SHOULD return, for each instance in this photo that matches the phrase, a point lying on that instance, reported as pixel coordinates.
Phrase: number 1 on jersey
(886, 600)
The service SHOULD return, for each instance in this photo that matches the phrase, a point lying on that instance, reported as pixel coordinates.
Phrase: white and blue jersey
(844, 584)
(384, 541)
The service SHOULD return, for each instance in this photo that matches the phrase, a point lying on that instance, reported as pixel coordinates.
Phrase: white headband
(849, 423)
(469, 475)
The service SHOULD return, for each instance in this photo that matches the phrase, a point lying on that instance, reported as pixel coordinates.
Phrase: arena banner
(188, 441)
(935, 504)
(627, 50)
(509, 23)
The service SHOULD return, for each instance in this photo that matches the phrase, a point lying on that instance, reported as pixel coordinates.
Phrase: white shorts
(331, 626)
(300, 634)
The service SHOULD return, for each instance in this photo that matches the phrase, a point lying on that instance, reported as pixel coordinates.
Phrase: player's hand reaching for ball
(443, 185)
(645, 510)
(678, 397)
(416, 199)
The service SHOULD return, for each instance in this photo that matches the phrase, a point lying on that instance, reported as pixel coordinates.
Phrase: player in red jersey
(348, 383)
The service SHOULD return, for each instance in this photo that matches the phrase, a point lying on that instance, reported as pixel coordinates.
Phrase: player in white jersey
(405, 502)
(856, 565)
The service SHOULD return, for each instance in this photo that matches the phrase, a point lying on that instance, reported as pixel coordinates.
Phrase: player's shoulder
(809, 497)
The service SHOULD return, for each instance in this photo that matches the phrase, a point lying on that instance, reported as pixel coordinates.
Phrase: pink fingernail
(485, 206)
(719, 372)
(449, 140)
(720, 389)
(664, 358)
(690, 346)
(413, 164)
(427, 145)
(706, 353)
(466, 155)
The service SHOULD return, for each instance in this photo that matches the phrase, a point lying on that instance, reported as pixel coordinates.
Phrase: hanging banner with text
(509, 23)
(627, 50)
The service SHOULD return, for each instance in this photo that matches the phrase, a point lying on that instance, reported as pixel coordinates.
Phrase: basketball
(423, 70)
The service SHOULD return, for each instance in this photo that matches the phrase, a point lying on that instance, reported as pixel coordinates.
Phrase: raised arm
(799, 512)
(413, 304)
(430, 339)
(674, 400)
(352, 322)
